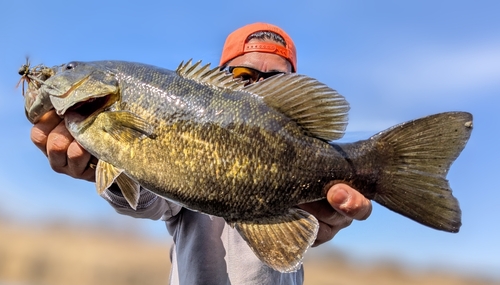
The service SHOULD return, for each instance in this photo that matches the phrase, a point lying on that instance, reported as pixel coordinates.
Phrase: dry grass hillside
(59, 255)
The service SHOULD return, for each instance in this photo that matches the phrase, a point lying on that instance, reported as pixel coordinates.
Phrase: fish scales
(249, 154)
(210, 138)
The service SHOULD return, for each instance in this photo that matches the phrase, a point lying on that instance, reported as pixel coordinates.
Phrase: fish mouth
(91, 106)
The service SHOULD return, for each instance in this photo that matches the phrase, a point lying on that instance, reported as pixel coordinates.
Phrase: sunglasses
(250, 74)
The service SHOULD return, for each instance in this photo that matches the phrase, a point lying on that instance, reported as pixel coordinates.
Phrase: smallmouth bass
(251, 153)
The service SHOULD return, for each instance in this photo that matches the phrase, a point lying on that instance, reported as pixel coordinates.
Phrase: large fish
(250, 154)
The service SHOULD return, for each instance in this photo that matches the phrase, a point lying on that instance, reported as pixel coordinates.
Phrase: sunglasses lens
(245, 73)
(250, 74)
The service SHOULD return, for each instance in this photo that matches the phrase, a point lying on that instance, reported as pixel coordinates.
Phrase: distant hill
(60, 255)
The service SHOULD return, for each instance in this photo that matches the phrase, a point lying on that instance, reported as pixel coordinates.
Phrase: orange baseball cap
(236, 44)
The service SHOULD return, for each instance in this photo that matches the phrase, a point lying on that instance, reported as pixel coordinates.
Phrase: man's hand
(64, 153)
(341, 206)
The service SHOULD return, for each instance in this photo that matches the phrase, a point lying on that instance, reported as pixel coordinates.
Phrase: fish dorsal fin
(212, 76)
(107, 174)
(317, 108)
(281, 241)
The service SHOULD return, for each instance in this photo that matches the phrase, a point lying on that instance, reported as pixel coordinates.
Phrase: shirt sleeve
(150, 205)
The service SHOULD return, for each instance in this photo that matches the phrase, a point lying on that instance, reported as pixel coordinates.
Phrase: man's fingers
(78, 160)
(320, 209)
(41, 130)
(330, 221)
(65, 155)
(58, 143)
(324, 212)
(349, 202)
(326, 231)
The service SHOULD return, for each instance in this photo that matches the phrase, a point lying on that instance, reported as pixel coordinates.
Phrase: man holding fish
(206, 249)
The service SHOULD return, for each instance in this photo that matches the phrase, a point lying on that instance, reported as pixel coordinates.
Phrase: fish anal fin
(280, 242)
(107, 174)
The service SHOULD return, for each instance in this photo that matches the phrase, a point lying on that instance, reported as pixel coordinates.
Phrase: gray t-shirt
(206, 249)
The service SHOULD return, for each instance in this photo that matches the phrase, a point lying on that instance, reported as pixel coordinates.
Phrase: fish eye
(71, 65)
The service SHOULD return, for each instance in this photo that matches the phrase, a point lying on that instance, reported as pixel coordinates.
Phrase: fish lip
(73, 87)
(64, 101)
(70, 90)
(61, 111)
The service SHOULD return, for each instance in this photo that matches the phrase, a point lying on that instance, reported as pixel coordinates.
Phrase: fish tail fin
(413, 180)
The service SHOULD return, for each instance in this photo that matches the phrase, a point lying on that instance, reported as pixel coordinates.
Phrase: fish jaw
(82, 97)
(80, 85)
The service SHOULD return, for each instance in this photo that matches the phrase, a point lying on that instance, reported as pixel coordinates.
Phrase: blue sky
(393, 60)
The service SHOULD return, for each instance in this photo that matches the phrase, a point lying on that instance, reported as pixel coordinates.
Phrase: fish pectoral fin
(280, 242)
(107, 174)
(126, 126)
(130, 189)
